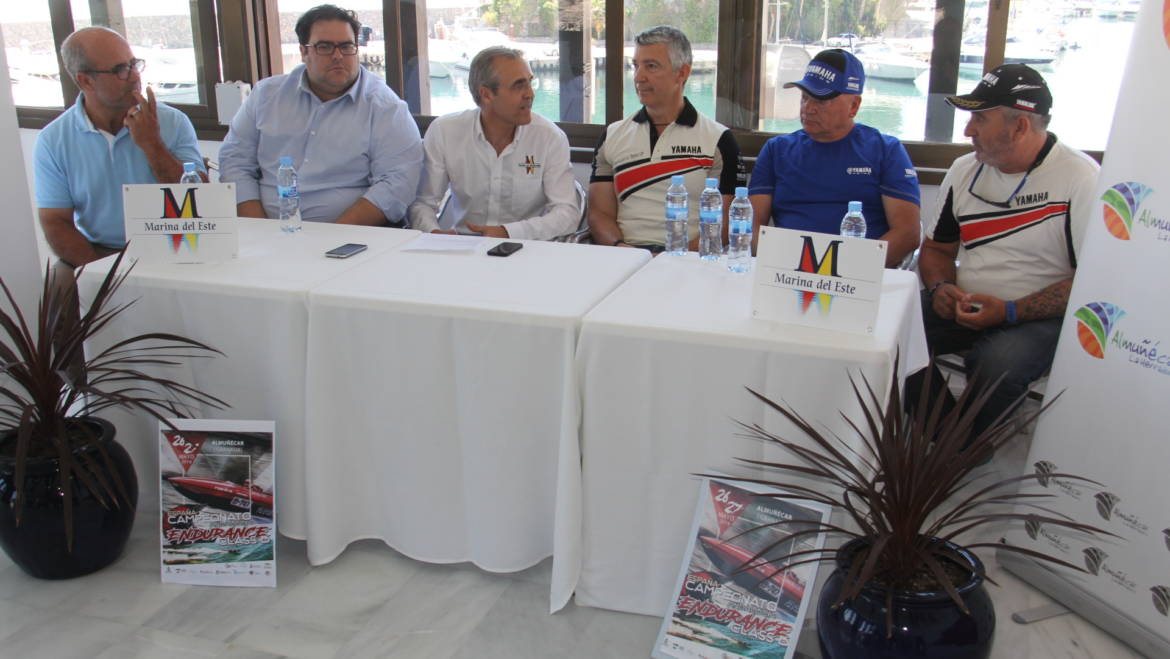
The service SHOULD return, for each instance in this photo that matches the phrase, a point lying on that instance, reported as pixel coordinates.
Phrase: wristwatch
(937, 284)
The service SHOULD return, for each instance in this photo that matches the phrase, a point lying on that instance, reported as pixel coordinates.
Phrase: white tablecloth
(663, 363)
(254, 309)
(450, 386)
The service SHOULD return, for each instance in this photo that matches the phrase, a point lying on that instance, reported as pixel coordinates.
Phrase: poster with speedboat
(217, 502)
(727, 603)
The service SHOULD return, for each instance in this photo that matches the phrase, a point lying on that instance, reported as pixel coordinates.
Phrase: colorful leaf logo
(1094, 558)
(1121, 204)
(1043, 469)
(1166, 21)
(1095, 322)
(1161, 594)
(1105, 503)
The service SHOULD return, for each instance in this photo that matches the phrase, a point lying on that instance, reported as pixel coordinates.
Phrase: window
(548, 32)
(32, 55)
(159, 31)
(1080, 53)
(698, 19)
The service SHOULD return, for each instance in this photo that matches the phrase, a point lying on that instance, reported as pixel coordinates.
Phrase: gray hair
(1038, 122)
(483, 73)
(678, 46)
(73, 53)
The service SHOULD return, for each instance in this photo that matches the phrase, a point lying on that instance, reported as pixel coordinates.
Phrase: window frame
(245, 34)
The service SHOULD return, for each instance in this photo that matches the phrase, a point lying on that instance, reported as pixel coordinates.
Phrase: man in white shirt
(508, 169)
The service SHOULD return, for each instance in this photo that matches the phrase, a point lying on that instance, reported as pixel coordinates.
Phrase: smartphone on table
(505, 249)
(345, 251)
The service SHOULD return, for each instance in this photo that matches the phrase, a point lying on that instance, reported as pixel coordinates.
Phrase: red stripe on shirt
(654, 170)
(972, 231)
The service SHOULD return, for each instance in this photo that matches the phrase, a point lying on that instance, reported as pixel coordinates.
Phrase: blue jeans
(1021, 353)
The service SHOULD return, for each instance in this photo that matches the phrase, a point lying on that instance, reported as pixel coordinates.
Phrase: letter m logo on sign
(826, 265)
(172, 209)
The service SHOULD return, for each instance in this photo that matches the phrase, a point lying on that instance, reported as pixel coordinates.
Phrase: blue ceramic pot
(37, 545)
(926, 625)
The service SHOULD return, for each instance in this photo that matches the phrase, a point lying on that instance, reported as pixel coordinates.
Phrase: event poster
(722, 611)
(217, 500)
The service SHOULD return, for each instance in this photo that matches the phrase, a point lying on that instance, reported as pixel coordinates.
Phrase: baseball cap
(831, 73)
(1016, 86)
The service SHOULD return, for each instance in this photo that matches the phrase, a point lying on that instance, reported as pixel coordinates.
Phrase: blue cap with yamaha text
(831, 73)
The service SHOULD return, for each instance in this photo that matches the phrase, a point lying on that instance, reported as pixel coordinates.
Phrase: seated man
(508, 168)
(1013, 213)
(805, 180)
(352, 140)
(637, 156)
(109, 137)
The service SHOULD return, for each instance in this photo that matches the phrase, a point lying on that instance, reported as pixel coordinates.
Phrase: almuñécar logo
(1166, 537)
(1095, 322)
(1105, 503)
(1161, 594)
(1122, 202)
(1047, 474)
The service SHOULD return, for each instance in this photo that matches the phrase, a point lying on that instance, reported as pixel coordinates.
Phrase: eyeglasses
(122, 71)
(998, 204)
(326, 48)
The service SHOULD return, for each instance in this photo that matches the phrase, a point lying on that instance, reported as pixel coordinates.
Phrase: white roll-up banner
(1113, 367)
(18, 250)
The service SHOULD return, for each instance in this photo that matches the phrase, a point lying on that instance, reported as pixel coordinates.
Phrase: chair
(581, 233)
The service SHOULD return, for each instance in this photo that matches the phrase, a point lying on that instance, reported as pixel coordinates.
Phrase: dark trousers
(1021, 353)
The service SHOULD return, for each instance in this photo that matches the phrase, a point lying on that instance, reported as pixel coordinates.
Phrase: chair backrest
(581, 234)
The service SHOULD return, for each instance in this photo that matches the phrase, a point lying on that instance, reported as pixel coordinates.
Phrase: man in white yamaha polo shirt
(1013, 213)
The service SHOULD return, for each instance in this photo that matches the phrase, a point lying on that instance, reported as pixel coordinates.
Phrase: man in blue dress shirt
(355, 146)
(805, 180)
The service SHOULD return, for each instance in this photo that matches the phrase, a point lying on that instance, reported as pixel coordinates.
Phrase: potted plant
(68, 491)
(904, 586)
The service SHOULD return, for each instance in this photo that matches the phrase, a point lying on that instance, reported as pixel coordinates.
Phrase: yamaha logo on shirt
(531, 167)
(859, 171)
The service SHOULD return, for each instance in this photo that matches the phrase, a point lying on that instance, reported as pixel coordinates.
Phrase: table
(451, 395)
(255, 310)
(663, 363)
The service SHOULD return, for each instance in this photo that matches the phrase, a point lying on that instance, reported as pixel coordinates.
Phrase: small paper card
(722, 608)
(217, 500)
(181, 222)
(818, 279)
(442, 242)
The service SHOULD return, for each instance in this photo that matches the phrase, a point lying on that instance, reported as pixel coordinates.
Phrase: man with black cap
(806, 179)
(1013, 214)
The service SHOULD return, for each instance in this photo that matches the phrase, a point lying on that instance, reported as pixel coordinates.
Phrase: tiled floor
(374, 602)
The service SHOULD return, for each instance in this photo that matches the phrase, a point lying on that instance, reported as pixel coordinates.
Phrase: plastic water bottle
(739, 224)
(711, 222)
(190, 174)
(290, 200)
(853, 224)
(676, 216)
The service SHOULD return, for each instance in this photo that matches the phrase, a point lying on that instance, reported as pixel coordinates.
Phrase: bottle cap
(713, 183)
(855, 207)
(677, 179)
(286, 161)
(188, 167)
(741, 192)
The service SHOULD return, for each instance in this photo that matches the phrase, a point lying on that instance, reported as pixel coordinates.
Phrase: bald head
(79, 49)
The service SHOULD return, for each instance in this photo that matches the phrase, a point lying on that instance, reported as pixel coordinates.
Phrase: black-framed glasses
(122, 71)
(326, 48)
(997, 204)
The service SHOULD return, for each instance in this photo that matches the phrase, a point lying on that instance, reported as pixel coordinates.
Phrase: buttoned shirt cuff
(246, 190)
(393, 208)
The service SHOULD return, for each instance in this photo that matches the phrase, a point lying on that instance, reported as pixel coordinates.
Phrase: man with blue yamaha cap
(806, 179)
(1013, 214)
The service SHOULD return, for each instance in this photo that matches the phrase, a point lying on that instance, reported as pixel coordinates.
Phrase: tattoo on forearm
(1047, 303)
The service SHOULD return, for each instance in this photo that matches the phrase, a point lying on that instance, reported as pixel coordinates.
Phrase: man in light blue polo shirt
(806, 179)
(111, 136)
(355, 146)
